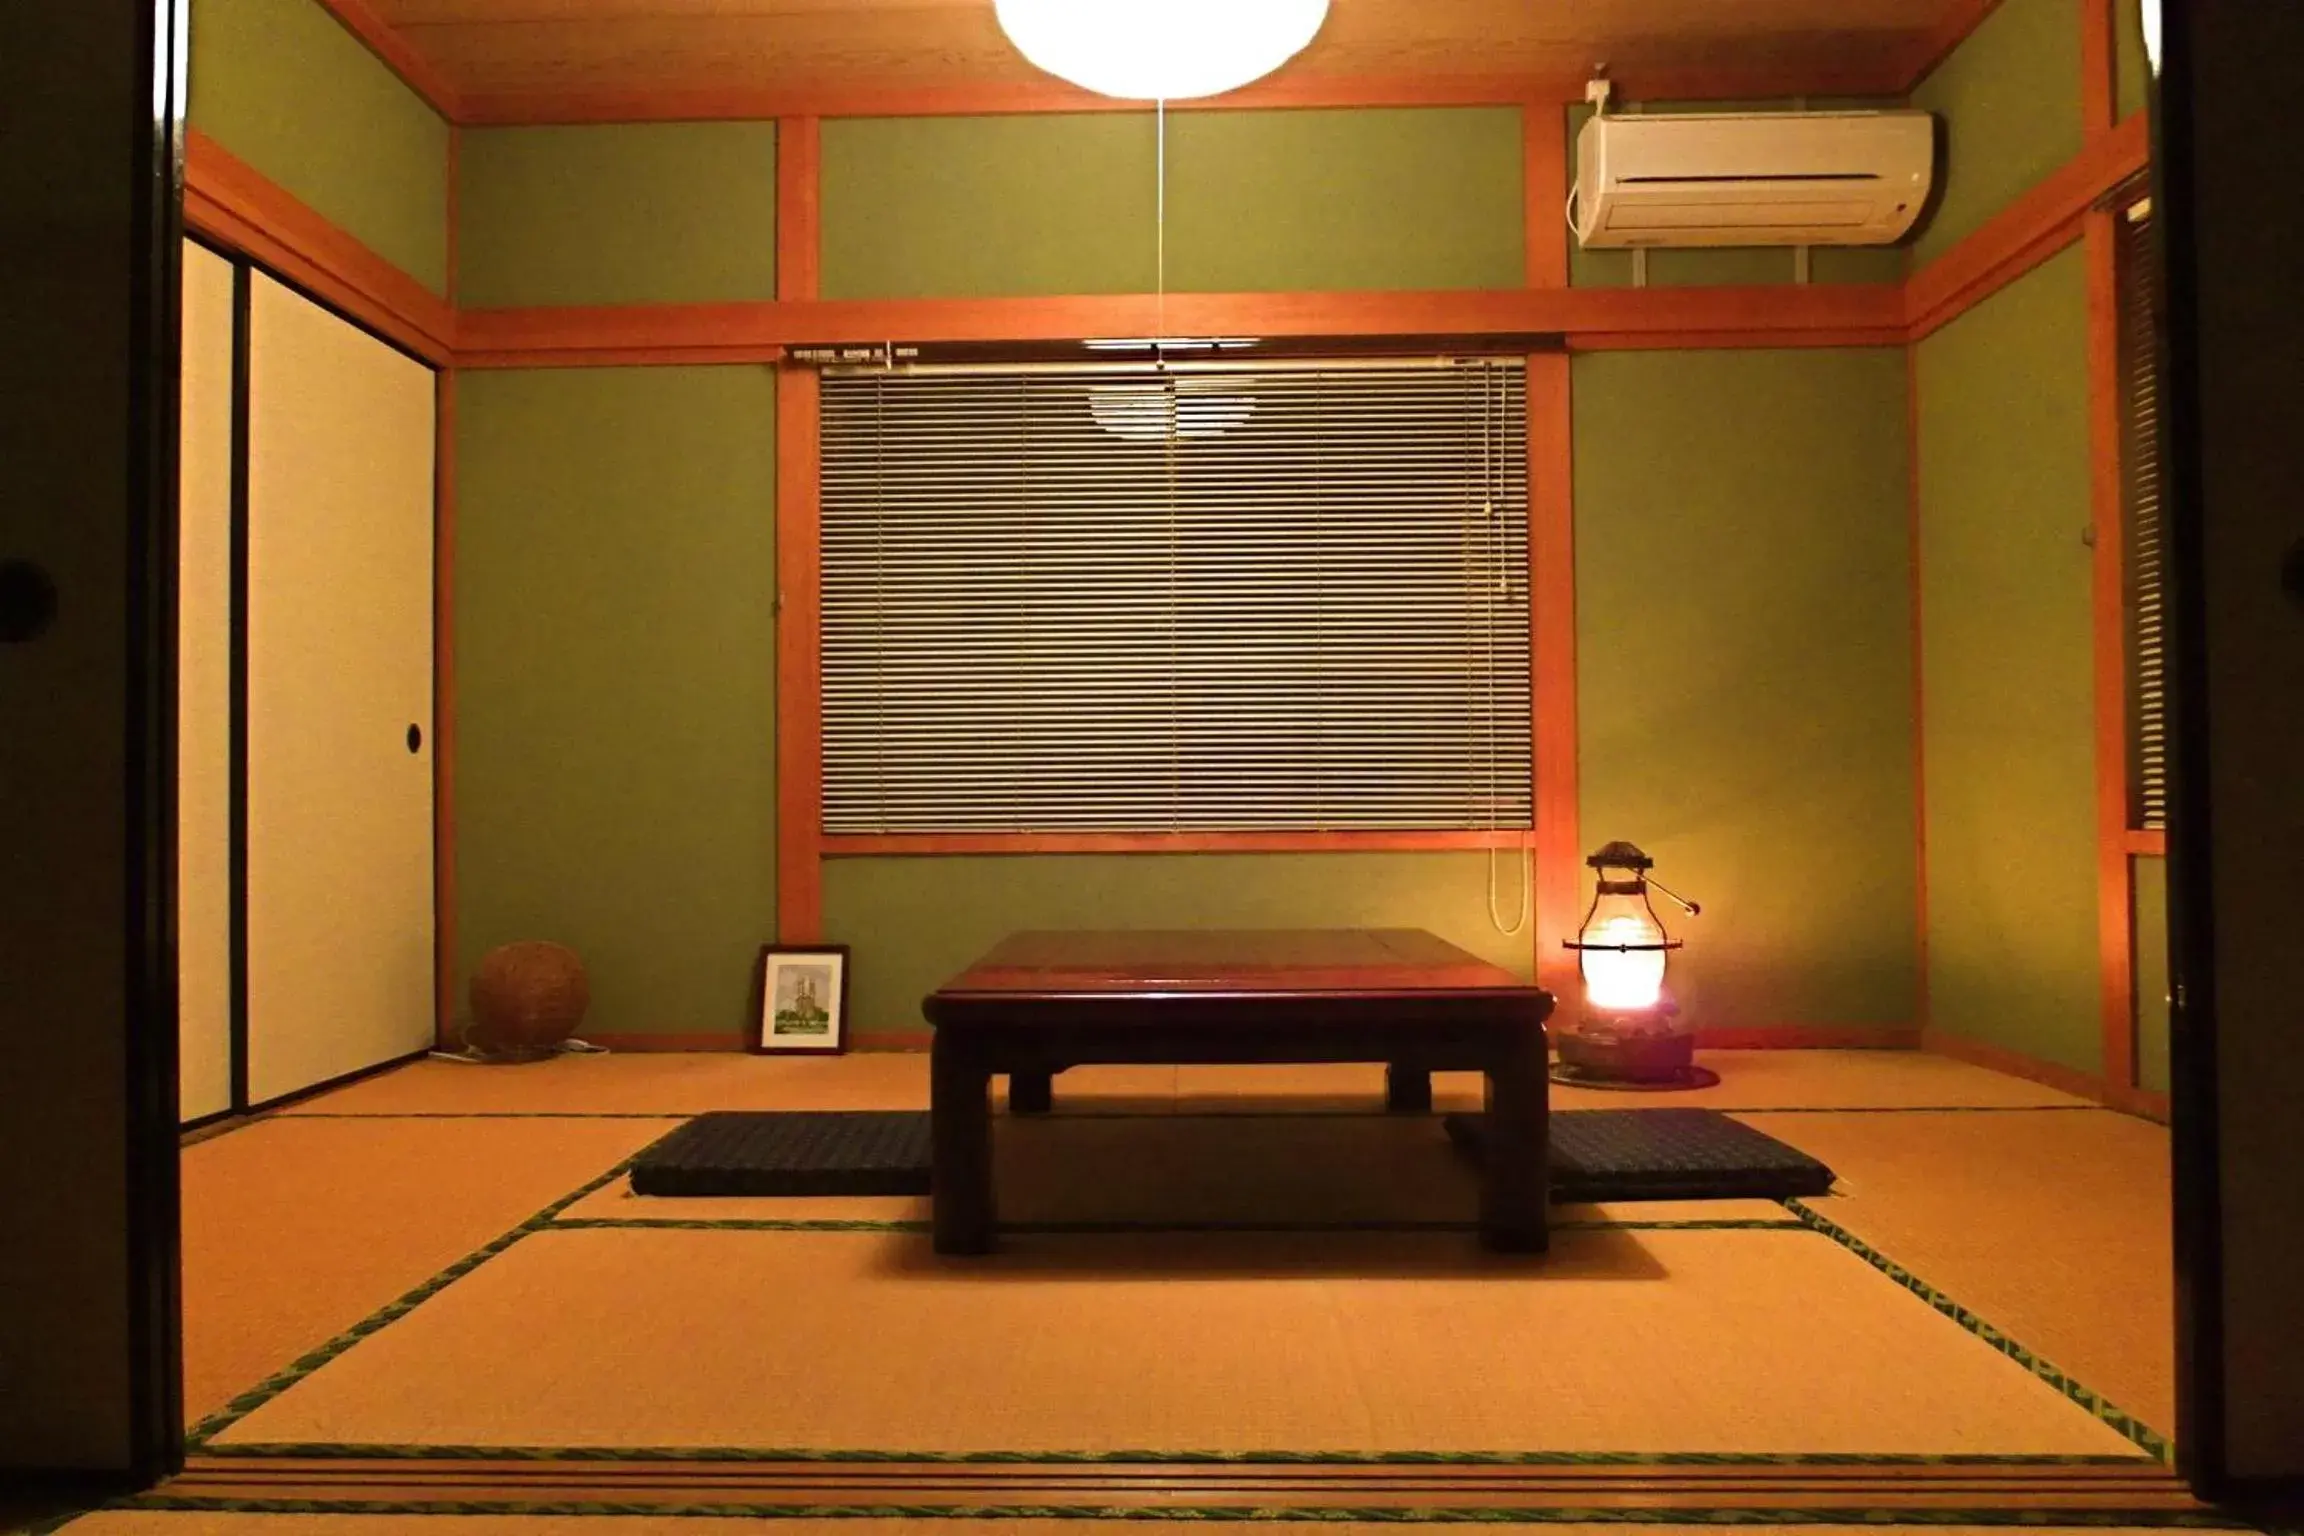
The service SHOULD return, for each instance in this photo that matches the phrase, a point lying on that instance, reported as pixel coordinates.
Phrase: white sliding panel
(204, 692)
(340, 497)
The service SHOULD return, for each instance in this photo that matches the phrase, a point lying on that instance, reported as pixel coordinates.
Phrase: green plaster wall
(2133, 81)
(615, 669)
(914, 922)
(2006, 658)
(634, 213)
(281, 85)
(1744, 667)
(2008, 100)
(964, 207)
(1733, 265)
(2150, 912)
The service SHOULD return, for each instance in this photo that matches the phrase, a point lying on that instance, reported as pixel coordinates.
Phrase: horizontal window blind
(1220, 600)
(2146, 558)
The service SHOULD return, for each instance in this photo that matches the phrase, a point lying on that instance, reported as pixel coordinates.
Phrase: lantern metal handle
(1684, 903)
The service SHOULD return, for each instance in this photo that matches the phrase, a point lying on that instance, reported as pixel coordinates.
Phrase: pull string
(1160, 224)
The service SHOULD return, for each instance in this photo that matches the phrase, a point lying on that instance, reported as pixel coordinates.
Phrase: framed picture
(803, 995)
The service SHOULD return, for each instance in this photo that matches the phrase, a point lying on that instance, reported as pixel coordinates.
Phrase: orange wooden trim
(2145, 844)
(399, 55)
(1943, 40)
(1919, 691)
(1811, 1037)
(1874, 311)
(2099, 63)
(799, 181)
(644, 1044)
(2145, 1102)
(1703, 341)
(1559, 900)
(836, 845)
(1286, 90)
(2028, 231)
(231, 202)
(799, 683)
(620, 357)
(2115, 938)
(446, 965)
(1544, 195)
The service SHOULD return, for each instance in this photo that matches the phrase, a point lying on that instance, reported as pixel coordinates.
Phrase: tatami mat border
(800, 1224)
(1375, 1514)
(737, 1454)
(280, 1381)
(2117, 1419)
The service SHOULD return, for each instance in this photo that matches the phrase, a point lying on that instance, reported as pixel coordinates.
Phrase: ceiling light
(1154, 50)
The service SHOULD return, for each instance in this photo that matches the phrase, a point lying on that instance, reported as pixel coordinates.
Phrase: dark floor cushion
(1664, 1154)
(1597, 1154)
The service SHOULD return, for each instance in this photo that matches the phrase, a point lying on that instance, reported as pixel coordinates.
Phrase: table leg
(1407, 1089)
(1515, 1188)
(960, 1178)
(1031, 1093)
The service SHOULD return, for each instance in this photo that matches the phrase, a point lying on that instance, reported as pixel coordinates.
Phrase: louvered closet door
(340, 496)
(204, 693)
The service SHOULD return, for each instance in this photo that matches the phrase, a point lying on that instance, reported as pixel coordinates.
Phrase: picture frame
(800, 1000)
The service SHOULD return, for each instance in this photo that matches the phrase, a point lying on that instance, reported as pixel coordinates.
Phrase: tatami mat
(693, 1082)
(2054, 1226)
(296, 1229)
(1275, 1170)
(1681, 1340)
(165, 1523)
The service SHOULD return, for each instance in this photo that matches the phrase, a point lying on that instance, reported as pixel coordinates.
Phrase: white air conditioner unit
(1752, 178)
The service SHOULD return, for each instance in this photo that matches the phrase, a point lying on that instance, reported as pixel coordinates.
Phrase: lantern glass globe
(1621, 979)
(1148, 50)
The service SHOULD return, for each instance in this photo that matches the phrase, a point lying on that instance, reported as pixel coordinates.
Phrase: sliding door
(204, 692)
(339, 698)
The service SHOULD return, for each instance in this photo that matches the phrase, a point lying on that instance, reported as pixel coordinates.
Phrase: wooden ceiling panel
(502, 56)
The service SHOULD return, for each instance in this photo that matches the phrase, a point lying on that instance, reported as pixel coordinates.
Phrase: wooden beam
(237, 206)
(1960, 22)
(2099, 68)
(398, 55)
(2115, 932)
(2028, 231)
(1544, 191)
(531, 337)
(799, 683)
(446, 965)
(1559, 873)
(1285, 91)
(2146, 844)
(799, 179)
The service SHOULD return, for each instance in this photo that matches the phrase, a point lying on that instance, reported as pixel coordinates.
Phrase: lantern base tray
(1689, 1076)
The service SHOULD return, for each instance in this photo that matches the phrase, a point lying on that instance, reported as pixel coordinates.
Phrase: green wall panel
(965, 207)
(633, 213)
(914, 922)
(1744, 667)
(615, 639)
(2006, 656)
(2008, 101)
(1732, 265)
(2150, 913)
(1409, 198)
(2134, 78)
(979, 207)
(284, 87)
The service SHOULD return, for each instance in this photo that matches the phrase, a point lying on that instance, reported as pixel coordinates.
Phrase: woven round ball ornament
(527, 998)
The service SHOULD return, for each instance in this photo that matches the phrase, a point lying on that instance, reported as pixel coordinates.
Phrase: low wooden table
(1041, 1002)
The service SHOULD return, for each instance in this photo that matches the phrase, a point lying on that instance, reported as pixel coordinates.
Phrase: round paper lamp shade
(1145, 50)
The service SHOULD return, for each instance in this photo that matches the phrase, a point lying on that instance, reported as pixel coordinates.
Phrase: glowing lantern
(1629, 1034)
